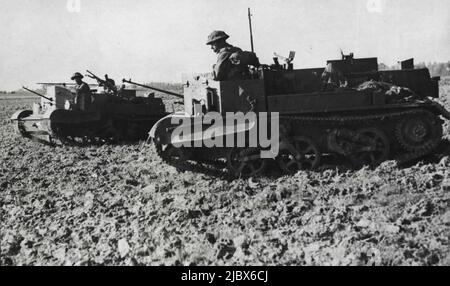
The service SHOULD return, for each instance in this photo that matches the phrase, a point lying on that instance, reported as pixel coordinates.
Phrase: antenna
(250, 25)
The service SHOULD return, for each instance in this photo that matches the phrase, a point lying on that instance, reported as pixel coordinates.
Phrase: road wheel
(299, 154)
(245, 162)
(373, 147)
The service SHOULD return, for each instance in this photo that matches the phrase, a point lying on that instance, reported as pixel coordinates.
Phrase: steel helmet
(216, 35)
(75, 75)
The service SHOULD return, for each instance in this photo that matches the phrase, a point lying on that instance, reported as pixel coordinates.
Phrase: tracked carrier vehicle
(365, 117)
(112, 117)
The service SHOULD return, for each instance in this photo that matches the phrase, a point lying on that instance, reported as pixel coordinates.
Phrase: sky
(149, 40)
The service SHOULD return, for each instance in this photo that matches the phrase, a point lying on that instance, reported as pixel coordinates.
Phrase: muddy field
(120, 205)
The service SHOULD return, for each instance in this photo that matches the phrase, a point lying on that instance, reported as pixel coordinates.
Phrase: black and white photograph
(225, 133)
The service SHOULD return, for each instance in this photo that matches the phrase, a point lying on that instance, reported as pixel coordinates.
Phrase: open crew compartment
(202, 94)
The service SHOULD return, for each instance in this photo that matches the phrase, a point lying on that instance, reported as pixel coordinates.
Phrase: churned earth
(121, 205)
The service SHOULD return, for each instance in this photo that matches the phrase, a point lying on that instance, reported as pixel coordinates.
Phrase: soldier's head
(217, 40)
(77, 77)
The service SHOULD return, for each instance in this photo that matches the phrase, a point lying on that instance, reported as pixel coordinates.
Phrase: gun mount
(108, 84)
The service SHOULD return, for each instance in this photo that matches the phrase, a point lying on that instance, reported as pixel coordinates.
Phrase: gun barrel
(154, 88)
(43, 96)
(92, 75)
(56, 83)
(63, 83)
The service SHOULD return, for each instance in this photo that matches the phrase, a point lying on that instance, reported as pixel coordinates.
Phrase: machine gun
(107, 83)
(154, 88)
(43, 96)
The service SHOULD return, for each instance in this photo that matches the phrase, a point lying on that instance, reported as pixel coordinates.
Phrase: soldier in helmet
(229, 65)
(83, 92)
(333, 78)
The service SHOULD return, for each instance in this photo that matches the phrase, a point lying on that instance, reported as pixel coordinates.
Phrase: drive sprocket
(420, 132)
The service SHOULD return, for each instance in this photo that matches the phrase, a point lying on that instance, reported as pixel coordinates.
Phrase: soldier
(83, 93)
(333, 78)
(232, 62)
(109, 85)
